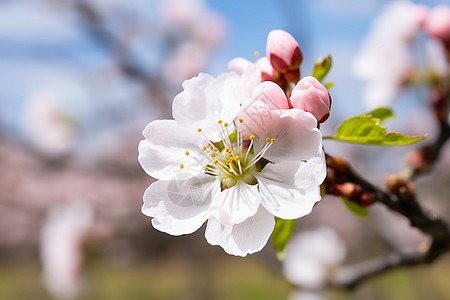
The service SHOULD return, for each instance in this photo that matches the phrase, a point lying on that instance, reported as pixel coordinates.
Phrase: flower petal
(289, 191)
(206, 99)
(236, 204)
(295, 132)
(164, 150)
(241, 239)
(179, 206)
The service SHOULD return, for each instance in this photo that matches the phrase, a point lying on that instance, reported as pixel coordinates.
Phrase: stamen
(219, 122)
(204, 148)
(199, 130)
(181, 166)
(187, 152)
(260, 154)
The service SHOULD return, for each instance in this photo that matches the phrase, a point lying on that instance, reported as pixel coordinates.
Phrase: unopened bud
(283, 51)
(400, 187)
(271, 94)
(311, 96)
(437, 24)
(268, 73)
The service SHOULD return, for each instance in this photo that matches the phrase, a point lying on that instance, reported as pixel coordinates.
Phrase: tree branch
(401, 199)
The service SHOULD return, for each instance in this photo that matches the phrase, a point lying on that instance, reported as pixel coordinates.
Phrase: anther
(181, 166)
(204, 147)
(252, 137)
(213, 154)
(268, 140)
(187, 152)
(225, 124)
(272, 140)
(199, 130)
(219, 122)
(241, 121)
(216, 161)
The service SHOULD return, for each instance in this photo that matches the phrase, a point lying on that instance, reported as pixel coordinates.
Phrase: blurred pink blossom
(62, 249)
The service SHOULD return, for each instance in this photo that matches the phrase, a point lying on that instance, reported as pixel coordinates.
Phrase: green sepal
(281, 234)
(321, 68)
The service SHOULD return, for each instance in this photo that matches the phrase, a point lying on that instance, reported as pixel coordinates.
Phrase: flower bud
(268, 73)
(283, 51)
(437, 23)
(311, 96)
(271, 94)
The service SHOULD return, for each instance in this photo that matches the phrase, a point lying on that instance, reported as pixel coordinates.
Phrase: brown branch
(401, 199)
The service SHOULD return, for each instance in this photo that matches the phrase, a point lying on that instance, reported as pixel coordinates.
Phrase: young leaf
(328, 85)
(322, 67)
(381, 113)
(355, 208)
(366, 129)
(281, 234)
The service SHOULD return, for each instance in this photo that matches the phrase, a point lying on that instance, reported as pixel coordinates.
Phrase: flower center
(232, 158)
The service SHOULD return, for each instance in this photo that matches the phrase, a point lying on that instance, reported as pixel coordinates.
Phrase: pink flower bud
(268, 73)
(437, 24)
(311, 96)
(283, 51)
(270, 93)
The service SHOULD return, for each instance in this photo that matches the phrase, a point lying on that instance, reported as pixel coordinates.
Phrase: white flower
(51, 130)
(62, 251)
(311, 256)
(231, 161)
(384, 60)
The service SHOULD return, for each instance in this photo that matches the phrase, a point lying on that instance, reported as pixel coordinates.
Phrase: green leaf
(366, 129)
(328, 85)
(355, 208)
(281, 234)
(381, 113)
(322, 67)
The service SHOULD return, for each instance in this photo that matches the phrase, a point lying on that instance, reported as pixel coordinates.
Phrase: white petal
(241, 239)
(204, 101)
(164, 150)
(295, 131)
(289, 190)
(239, 65)
(179, 206)
(236, 204)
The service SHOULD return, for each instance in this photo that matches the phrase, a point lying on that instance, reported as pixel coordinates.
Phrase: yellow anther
(187, 152)
(237, 157)
(216, 161)
(213, 154)
(199, 130)
(206, 169)
(181, 166)
(241, 121)
(272, 140)
(215, 150)
(209, 146)
(252, 137)
(219, 122)
(225, 124)
(256, 53)
(204, 147)
(268, 140)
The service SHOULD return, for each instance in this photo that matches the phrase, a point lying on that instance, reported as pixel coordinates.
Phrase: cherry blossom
(229, 159)
(311, 257)
(62, 251)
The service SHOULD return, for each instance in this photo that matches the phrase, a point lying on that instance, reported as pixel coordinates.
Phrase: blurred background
(79, 81)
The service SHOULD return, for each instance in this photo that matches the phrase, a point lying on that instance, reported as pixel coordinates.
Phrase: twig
(401, 200)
